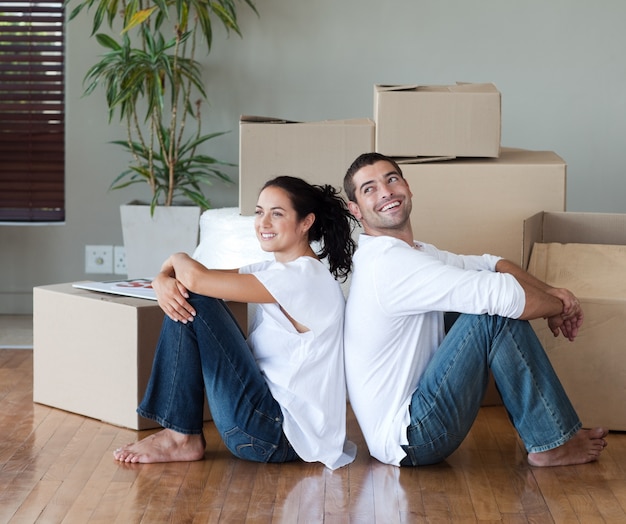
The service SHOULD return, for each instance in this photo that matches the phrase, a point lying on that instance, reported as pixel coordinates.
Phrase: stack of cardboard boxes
(471, 196)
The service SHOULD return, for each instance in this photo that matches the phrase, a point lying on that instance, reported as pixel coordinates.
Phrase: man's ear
(408, 187)
(353, 207)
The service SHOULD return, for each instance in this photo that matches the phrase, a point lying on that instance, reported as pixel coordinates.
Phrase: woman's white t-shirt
(304, 371)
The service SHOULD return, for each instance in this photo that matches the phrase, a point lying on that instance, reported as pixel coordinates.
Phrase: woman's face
(277, 226)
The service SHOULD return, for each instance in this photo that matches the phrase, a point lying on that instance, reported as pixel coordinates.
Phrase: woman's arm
(180, 274)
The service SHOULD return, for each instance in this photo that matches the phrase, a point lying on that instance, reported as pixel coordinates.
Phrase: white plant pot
(149, 240)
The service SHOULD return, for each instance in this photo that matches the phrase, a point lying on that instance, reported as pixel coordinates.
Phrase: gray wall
(559, 65)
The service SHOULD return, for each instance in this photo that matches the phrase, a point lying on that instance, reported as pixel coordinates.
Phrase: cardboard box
(462, 120)
(93, 352)
(319, 152)
(585, 253)
(476, 206)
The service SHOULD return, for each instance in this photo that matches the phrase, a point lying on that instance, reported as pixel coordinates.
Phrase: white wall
(558, 64)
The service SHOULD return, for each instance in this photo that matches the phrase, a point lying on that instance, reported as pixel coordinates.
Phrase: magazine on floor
(134, 287)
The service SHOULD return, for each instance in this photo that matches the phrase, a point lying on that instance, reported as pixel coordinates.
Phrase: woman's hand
(172, 298)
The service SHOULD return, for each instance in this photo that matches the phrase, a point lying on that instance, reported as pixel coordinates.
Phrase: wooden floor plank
(57, 466)
(35, 502)
(410, 494)
(289, 490)
(140, 495)
(336, 495)
(389, 499)
(311, 498)
(218, 479)
(263, 494)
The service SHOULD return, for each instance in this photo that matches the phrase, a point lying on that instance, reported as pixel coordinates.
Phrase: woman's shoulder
(297, 272)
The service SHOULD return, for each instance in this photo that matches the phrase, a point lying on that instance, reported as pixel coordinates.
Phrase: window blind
(32, 111)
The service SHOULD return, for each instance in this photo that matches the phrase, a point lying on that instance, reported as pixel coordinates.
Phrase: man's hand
(571, 318)
(172, 298)
(571, 305)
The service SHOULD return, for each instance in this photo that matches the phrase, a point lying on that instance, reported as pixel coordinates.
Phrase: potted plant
(153, 84)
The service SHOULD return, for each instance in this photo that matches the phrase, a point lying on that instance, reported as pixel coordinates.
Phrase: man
(415, 393)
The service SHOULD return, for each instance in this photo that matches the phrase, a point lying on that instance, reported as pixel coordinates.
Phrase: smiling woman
(32, 111)
(264, 392)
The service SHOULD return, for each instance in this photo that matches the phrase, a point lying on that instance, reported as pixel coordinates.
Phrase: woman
(279, 396)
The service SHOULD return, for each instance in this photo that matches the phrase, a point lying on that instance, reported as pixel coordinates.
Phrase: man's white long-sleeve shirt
(394, 324)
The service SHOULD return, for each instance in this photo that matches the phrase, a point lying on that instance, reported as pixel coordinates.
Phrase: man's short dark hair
(365, 159)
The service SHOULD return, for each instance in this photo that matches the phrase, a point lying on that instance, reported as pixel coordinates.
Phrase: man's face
(383, 198)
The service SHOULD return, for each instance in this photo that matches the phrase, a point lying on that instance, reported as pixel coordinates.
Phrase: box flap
(590, 271)
(468, 87)
(248, 119)
(569, 227)
(421, 159)
(532, 232)
(459, 87)
(416, 88)
(345, 122)
(264, 120)
(585, 228)
(383, 88)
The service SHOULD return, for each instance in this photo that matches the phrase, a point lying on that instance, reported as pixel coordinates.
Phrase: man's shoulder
(379, 241)
(371, 247)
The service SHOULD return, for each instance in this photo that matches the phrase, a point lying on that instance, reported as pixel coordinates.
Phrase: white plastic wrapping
(228, 240)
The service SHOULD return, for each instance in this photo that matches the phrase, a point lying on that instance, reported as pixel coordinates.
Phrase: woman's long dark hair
(333, 224)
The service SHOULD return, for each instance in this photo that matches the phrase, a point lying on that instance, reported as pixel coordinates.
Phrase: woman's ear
(308, 221)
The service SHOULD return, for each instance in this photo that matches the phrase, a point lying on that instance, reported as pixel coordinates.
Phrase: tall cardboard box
(319, 152)
(476, 206)
(461, 120)
(586, 253)
(93, 352)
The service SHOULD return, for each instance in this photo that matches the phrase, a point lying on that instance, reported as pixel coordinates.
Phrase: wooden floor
(58, 467)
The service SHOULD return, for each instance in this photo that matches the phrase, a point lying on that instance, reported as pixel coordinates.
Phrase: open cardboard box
(586, 253)
(461, 120)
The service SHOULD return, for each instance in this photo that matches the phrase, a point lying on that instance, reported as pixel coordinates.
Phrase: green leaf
(139, 18)
(106, 41)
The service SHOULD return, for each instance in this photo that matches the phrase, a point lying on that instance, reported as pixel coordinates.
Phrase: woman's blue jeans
(211, 355)
(450, 392)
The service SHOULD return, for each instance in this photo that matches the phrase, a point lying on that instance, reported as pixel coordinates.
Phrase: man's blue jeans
(210, 354)
(450, 392)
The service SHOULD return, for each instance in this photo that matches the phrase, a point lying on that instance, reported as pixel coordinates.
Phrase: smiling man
(416, 391)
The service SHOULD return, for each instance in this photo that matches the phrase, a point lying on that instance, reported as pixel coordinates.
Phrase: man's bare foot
(165, 446)
(583, 447)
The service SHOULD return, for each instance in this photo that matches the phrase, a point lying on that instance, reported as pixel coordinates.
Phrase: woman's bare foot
(583, 447)
(165, 446)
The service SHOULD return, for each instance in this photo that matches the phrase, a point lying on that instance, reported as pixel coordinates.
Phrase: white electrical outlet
(99, 259)
(119, 260)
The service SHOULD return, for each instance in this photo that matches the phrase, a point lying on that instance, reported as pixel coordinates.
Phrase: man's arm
(558, 305)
